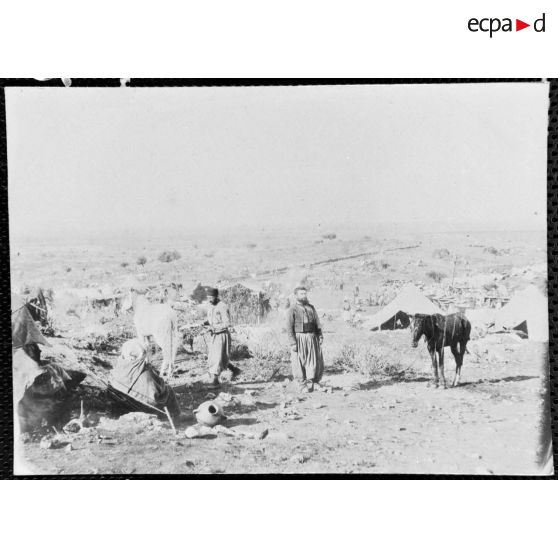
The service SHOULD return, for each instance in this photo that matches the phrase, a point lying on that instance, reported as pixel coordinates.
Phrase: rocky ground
(378, 414)
(356, 424)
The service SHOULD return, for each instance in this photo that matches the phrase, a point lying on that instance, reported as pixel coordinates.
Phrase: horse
(453, 330)
(158, 321)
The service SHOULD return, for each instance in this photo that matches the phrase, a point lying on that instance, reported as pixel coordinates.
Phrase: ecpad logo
(492, 25)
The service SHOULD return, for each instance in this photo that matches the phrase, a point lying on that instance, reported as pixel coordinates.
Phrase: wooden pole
(453, 271)
(171, 422)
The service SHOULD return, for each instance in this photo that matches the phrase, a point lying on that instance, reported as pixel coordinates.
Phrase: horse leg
(170, 367)
(441, 366)
(169, 347)
(166, 365)
(173, 350)
(434, 367)
(462, 349)
(455, 353)
(169, 352)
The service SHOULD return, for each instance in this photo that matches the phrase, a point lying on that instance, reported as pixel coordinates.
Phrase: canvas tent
(482, 319)
(25, 336)
(24, 330)
(409, 301)
(528, 309)
(25, 352)
(35, 300)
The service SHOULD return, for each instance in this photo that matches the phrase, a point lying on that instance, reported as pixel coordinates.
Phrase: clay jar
(209, 413)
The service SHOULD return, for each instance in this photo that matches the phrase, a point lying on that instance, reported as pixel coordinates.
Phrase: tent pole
(171, 422)
(453, 270)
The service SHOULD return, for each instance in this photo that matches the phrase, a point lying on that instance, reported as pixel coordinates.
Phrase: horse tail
(467, 328)
(466, 333)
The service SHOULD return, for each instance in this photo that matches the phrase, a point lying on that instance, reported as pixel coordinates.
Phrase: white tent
(529, 306)
(409, 301)
(482, 320)
(481, 317)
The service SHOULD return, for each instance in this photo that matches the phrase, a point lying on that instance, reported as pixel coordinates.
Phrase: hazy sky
(162, 160)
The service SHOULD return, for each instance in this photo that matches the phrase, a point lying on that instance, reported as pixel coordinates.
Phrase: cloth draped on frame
(137, 379)
(24, 329)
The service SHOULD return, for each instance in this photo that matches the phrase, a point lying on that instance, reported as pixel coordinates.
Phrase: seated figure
(137, 378)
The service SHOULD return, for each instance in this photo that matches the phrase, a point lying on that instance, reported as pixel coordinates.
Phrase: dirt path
(489, 425)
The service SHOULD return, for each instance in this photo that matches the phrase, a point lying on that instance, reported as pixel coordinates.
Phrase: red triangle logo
(519, 25)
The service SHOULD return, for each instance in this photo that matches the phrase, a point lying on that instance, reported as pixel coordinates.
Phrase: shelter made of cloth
(409, 301)
(481, 317)
(138, 380)
(38, 389)
(24, 329)
(25, 370)
(528, 306)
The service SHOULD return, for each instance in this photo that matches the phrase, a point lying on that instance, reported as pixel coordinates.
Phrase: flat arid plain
(375, 411)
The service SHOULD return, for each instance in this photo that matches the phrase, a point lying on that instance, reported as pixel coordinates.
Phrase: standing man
(305, 337)
(346, 310)
(356, 293)
(219, 321)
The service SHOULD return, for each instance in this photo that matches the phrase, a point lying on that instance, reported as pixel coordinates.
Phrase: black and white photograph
(332, 279)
